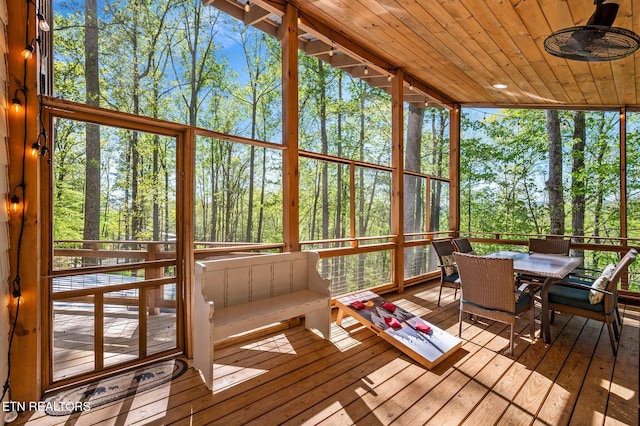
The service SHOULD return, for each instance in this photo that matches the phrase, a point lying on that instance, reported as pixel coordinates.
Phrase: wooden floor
(296, 377)
(74, 331)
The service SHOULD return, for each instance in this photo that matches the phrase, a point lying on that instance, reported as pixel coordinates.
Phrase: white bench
(237, 295)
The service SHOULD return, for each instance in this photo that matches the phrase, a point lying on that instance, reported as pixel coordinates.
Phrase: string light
(389, 77)
(16, 105)
(247, 7)
(15, 203)
(366, 70)
(35, 148)
(27, 53)
(42, 23)
(18, 203)
(331, 50)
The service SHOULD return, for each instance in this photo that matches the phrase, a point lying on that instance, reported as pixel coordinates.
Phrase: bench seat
(240, 294)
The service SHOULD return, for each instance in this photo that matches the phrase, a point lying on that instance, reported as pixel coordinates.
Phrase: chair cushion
(451, 278)
(601, 283)
(576, 297)
(449, 265)
(608, 271)
(522, 301)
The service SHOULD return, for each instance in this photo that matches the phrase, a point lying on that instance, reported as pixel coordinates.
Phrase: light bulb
(389, 77)
(247, 7)
(42, 23)
(35, 149)
(331, 51)
(16, 105)
(15, 203)
(27, 53)
(366, 70)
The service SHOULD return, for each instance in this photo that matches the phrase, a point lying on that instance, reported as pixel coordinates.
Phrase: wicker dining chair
(571, 296)
(448, 270)
(488, 290)
(549, 246)
(463, 245)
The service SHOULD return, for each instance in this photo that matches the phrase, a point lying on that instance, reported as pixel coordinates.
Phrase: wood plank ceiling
(454, 51)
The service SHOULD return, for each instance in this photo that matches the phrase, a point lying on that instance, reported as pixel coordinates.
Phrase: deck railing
(82, 257)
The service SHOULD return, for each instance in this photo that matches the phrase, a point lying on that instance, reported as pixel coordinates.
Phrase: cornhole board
(429, 349)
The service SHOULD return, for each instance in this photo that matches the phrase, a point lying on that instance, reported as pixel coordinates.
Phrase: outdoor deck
(296, 377)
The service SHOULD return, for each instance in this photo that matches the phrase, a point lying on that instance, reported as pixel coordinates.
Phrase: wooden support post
(397, 178)
(24, 232)
(154, 300)
(185, 245)
(291, 219)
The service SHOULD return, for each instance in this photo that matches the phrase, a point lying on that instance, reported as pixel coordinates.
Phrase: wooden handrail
(81, 292)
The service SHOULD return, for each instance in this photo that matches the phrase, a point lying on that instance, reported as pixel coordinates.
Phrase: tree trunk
(263, 185)
(338, 269)
(325, 149)
(361, 198)
(412, 195)
(578, 187)
(438, 125)
(554, 184)
(92, 85)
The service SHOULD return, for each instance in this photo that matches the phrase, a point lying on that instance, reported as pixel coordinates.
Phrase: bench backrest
(232, 281)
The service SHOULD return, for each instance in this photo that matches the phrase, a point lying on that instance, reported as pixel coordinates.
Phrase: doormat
(111, 389)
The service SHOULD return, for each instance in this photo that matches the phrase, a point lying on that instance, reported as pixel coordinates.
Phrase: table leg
(545, 331)
(339, 316)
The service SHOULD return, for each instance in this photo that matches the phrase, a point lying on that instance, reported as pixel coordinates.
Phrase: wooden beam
(291, 219)
(357, 51)
(24, 225)
(184, 247)
(397, 179)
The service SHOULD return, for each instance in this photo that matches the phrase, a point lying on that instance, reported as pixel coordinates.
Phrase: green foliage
(187, 63)
(505, 168)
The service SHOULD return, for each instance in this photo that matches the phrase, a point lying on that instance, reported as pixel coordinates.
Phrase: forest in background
(522, 171)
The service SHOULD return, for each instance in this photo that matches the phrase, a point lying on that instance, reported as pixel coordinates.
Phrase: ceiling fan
(597, 41)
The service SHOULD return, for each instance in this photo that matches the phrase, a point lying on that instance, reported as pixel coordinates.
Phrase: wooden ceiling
(454, 51)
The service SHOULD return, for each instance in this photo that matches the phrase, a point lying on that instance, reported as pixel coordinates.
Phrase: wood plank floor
(295, 377)
(74, 331)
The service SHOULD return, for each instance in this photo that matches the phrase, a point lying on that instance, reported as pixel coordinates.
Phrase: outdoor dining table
(549, 267)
